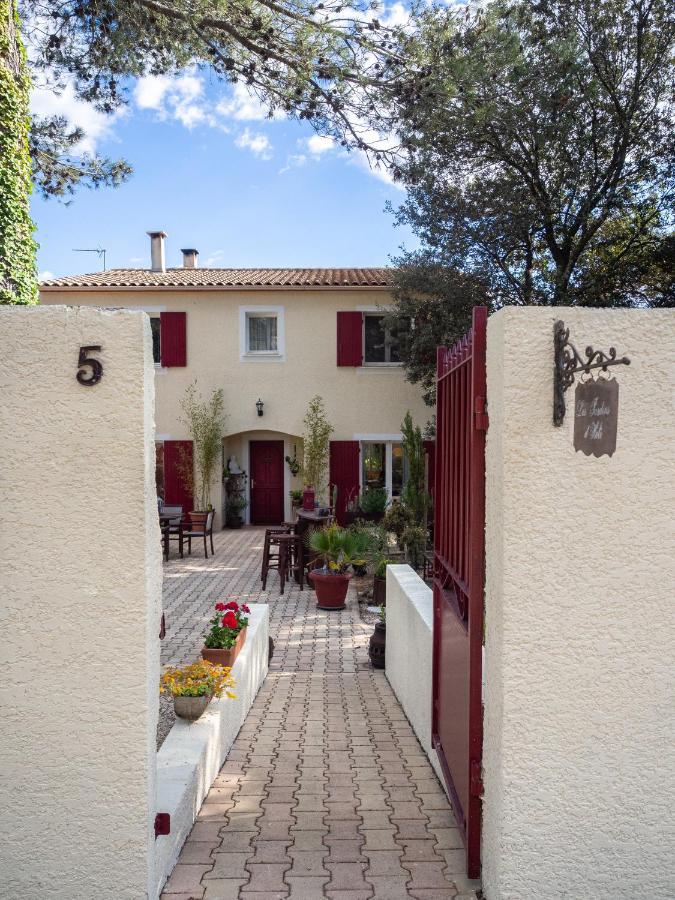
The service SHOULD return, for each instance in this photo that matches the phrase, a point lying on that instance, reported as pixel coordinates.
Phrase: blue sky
(215, 174)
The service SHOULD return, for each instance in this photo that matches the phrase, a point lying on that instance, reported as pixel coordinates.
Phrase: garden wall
(410, 620)
(580, 640)
(80, 566)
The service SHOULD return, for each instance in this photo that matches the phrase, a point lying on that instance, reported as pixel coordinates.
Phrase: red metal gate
(459, 564)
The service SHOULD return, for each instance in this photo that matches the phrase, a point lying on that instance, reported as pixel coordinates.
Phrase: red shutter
(173, 338)
(344, 473)
(177, 454)
(349, 338)
(430, 450)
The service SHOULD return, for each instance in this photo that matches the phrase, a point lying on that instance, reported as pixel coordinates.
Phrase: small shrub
(396, 519)
(373, 501)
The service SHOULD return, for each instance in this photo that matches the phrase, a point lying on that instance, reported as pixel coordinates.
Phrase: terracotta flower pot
(378, 645)
(225, 657)
(331, 590)
(190, 708)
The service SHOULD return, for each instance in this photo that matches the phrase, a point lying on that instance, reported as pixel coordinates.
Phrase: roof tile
(227, 278)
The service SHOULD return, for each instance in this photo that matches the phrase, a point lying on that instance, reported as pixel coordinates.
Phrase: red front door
(266, 465)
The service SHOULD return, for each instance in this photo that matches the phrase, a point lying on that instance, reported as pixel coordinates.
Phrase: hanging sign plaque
(596, 412)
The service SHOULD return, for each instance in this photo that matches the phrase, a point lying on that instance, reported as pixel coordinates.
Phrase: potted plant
(363, 538)
(372, 503)
(396, 519)
(236, 504)
(227, 635)
(193, 686)
(414, 540)
(380, 581)
(315, 452)
(205, 420)
(296, 498)
(378, 641)
(337, 547)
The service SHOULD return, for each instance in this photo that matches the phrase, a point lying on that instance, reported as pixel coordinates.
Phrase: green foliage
(315, 61)
(18, 277)
(373, 501)
(57, 168)
(415, 542)
(396, 519)
(205, 420)
(316, 446)
(535, 129)
(338, 547)
(414, 495)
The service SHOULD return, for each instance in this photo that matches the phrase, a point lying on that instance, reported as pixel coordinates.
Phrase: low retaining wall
(410, 620)
(192, 755)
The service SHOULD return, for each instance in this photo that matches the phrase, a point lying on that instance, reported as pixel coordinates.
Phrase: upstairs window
(156, 328)
(262, 333)
(380, 344)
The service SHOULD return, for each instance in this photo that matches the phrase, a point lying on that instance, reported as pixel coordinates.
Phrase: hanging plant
(293, 463)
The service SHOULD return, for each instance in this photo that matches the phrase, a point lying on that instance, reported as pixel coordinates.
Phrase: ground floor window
(383, 465)
(159, 469)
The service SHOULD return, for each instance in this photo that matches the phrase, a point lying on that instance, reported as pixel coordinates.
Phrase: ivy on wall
(18, 277)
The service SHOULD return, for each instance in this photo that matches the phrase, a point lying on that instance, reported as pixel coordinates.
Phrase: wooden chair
(201, 525)
(165, 540)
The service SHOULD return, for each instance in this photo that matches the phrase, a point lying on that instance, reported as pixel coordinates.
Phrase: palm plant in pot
(227, 635)
(337, 548)
(193, 686)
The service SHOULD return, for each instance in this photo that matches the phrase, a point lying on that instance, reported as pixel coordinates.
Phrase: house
(272, 339)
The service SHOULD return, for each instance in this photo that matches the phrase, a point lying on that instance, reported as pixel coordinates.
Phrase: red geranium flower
(230, 620)
(245, 609)
(220, 607)
(232, 605)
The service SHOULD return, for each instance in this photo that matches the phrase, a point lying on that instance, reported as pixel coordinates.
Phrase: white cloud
(318, 144)
(244, 106)
(258, 144)
(214, 259)
(179, 97)
(46, 275)
(97, 126)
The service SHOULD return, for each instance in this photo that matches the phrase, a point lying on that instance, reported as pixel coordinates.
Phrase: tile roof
(226, 278)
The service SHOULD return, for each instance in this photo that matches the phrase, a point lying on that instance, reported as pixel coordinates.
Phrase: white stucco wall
(578, 750)
(193, 753)
(80, 567)
(409, 657)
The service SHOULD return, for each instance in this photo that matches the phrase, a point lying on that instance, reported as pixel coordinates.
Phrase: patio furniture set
(175, 526)
(285, 550)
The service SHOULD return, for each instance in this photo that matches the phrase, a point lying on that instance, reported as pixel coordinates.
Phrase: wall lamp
(259, 406)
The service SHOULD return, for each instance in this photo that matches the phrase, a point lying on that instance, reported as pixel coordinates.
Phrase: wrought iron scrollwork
(568, 362)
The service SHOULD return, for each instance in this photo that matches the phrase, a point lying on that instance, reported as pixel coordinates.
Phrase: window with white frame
(380, 344)
(383, 465)
(261, 332)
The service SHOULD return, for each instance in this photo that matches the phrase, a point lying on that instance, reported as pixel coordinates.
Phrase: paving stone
(228, 865)
(326, 778)
(186, 878)
(346, 877)
(266, 877)
(306, 888)
(389, 887)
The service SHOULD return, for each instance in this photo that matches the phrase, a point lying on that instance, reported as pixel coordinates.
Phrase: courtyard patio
(326, 791)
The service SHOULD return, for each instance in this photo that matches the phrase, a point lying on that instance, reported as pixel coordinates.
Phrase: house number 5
(93, 374)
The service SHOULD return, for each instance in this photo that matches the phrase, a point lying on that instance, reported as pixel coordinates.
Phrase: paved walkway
(326, 791)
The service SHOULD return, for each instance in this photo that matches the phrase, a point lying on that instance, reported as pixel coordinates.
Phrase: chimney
(157, 261)
(190, 258)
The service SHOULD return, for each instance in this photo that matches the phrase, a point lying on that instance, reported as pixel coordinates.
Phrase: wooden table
(306, 520)
(166, 519)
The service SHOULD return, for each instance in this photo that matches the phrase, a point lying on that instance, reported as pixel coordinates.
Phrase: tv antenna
(99, 250)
